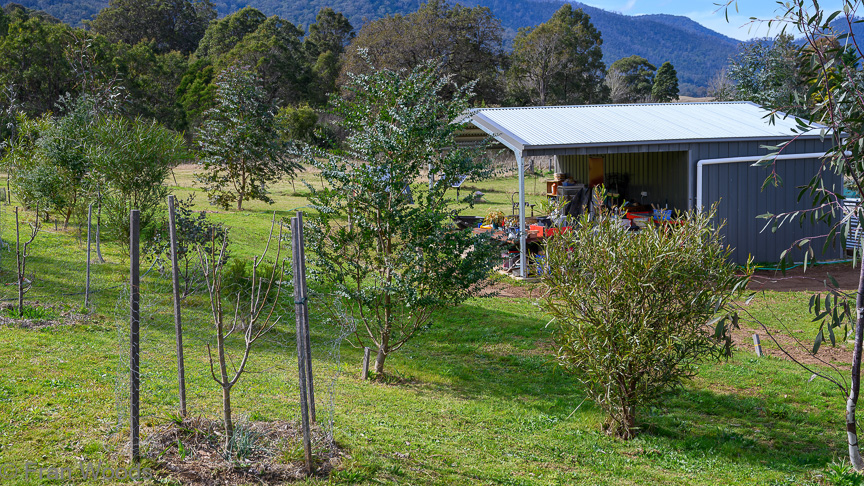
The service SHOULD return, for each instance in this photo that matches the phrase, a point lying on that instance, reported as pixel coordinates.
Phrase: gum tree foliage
(768, 72)
(171, 25)
(558, 62)
(240, 143)
(637, 76)
(222, 35)
(324, 47)
(275, 51)
(34, 64)
(395, 263)
(631, 311)
(833, 99)
(468, 41)
(665, 87)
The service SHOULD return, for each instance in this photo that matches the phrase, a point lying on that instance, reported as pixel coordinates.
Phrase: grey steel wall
(663, 175)
(737, 190)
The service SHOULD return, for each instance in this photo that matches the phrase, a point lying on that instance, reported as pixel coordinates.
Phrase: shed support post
(523, 235)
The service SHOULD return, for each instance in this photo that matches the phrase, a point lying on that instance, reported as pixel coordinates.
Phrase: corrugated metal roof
(584, 125)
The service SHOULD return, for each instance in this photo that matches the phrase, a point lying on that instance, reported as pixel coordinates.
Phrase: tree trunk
(240, 202)
(226, 411)
(382, 355)
(852, 401)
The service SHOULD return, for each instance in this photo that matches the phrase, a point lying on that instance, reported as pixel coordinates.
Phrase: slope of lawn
(476, 399)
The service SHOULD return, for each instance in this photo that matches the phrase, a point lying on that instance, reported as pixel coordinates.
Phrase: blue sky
(706, 13)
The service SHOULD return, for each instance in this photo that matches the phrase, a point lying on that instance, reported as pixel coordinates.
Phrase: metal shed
(685, 155)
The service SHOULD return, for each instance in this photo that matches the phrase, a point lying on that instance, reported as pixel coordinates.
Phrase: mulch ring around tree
(39, 316)
(192, 452)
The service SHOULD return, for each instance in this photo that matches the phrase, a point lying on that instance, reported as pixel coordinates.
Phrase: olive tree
(395, 262)
(634, 313)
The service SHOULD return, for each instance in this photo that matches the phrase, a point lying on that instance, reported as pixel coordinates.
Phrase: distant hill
(697, 52)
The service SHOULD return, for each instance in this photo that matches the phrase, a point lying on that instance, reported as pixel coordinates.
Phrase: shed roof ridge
(552, 107)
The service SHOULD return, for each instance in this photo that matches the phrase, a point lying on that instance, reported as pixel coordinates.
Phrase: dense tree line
(165, 55)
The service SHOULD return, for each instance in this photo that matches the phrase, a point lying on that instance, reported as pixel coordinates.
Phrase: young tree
(240, 143)
(665, 87)
(250, 314)
(559, 61)
(829, 71)
(638, 76)
(395, 262)
(631, 310)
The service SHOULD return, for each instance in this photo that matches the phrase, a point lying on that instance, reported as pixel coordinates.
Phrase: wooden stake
(310, 383)
(178, 325)
(364, 374)
(89, 241)
(134, 335)
(300, 311)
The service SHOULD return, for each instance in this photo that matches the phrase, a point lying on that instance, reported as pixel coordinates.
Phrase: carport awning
(563, 127)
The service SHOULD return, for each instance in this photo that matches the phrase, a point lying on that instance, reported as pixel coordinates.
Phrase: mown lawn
(475, 400)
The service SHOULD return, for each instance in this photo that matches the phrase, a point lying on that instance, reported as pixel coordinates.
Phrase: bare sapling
(251, 319)
(21, 254)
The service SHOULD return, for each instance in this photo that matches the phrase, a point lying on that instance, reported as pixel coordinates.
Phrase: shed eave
(528, 148)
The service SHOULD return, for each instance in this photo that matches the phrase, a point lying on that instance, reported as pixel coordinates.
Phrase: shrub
(632, 310)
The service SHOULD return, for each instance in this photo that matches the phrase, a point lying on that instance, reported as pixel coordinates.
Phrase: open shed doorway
(645, 178)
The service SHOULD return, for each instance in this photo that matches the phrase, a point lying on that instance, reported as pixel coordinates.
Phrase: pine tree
(665, 84)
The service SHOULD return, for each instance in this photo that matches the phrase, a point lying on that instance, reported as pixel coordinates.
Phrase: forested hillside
(697, 52)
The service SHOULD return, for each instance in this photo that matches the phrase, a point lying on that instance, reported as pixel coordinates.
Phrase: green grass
(475, 400)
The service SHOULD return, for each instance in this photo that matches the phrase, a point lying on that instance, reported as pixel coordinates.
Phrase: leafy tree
(196, 92)
(631, 311)
(665, 87)
(51, 161)
(222, 35)
(172, 25)
(298, 124)
(275, 50)
(638, 77)
(132, 159)
(468, 41)
(240, 142)
(152, 81)
(396, 263)
(767, 72)
(558, 62)
(324, 46)
(33, 63)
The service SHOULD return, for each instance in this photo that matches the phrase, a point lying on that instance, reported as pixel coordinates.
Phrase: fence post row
(304, 363)
(178, 325)
(134, 337)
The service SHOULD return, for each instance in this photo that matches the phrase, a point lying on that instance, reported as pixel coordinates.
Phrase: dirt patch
(191, 452)
(798, 344)
(508, 288)
(814, 279)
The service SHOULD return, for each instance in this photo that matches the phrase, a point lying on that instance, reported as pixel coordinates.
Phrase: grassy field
(475, 400)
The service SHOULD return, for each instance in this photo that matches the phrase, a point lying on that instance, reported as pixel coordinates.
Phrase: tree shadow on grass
(754, 429)
(483, 352)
